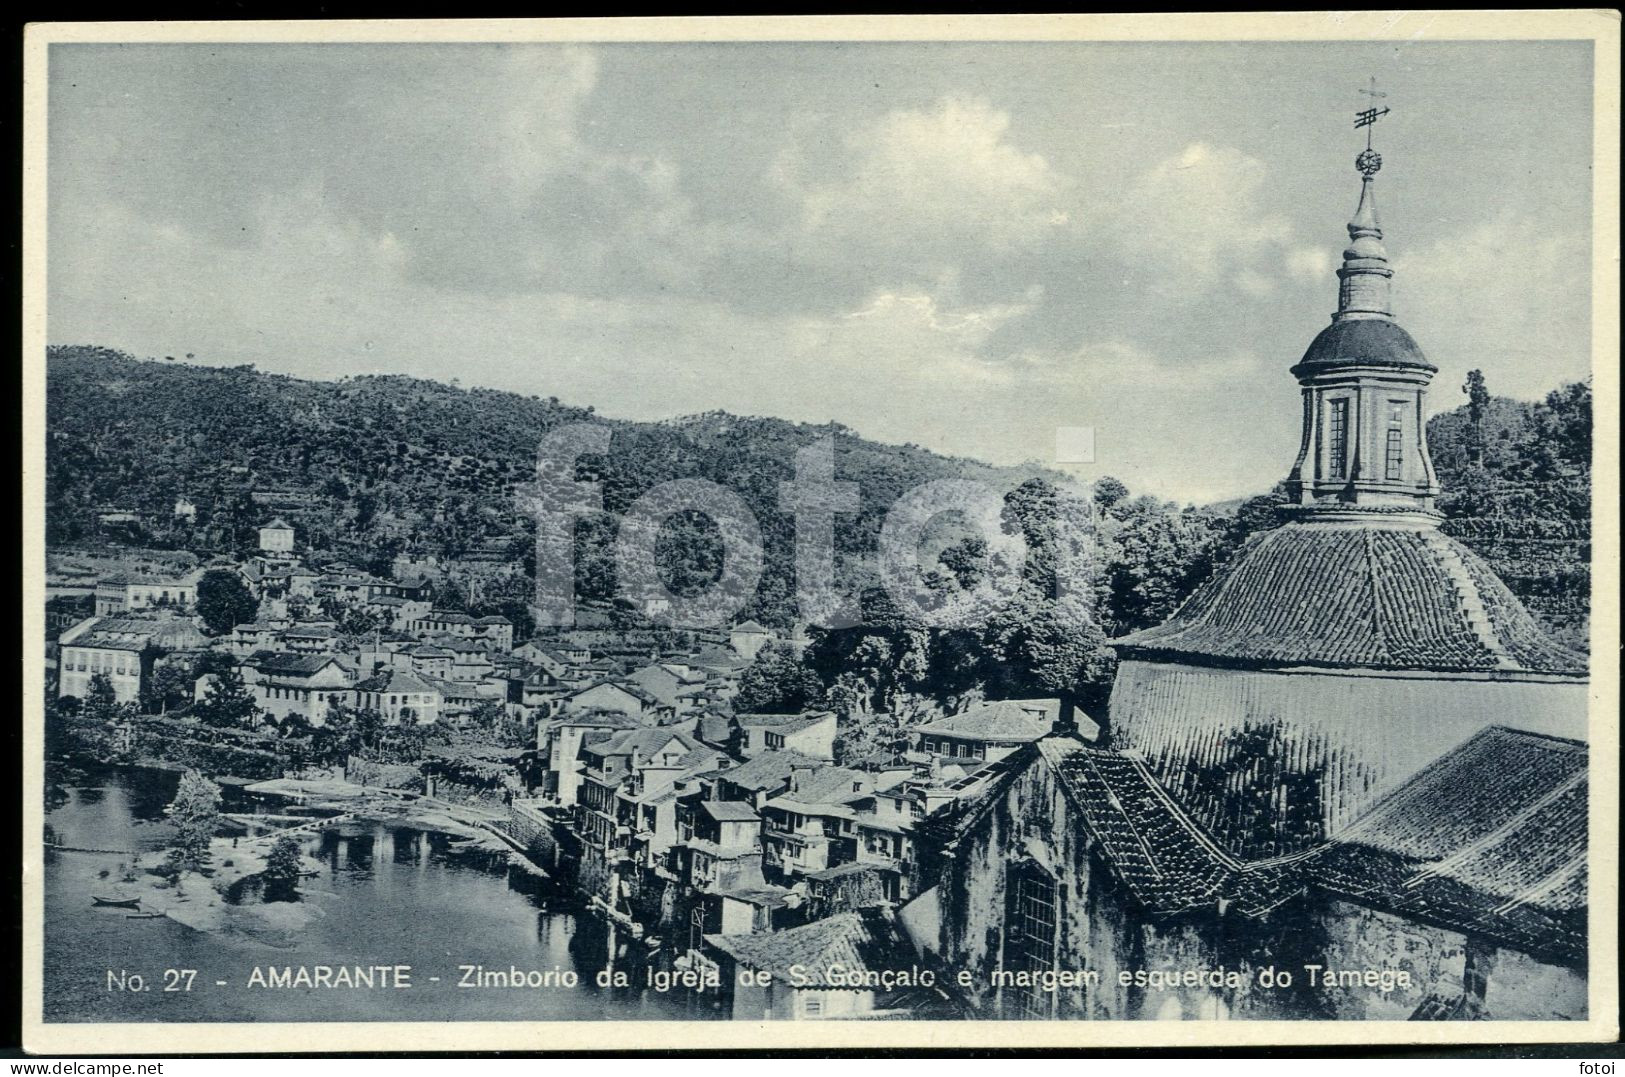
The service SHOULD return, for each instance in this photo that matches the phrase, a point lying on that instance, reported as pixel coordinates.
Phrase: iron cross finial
(1369, 161)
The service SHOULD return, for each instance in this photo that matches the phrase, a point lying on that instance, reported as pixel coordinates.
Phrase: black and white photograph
(869, 531)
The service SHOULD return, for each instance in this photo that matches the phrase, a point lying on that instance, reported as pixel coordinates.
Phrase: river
(387, 895)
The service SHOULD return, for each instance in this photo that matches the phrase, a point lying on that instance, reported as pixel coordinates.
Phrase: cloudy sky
(964, 246)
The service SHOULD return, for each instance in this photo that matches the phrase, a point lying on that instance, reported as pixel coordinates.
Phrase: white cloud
(1507, 297)
(1198, 217)
(932, 183)
(1309, 264)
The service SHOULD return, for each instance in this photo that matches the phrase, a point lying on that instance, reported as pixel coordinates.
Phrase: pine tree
(195, 812)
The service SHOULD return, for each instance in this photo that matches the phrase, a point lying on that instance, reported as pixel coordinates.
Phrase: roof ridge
(1576, 862)
(1478, 617)
(1378, 637)
(1491, 837)
(1187, 823)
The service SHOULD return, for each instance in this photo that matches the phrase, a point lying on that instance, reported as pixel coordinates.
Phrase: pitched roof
(831, 785)
(297, 665)
(770, 769)
(278, 524)
(595, 718)
(844, 940)
(394, 680)
(730, 811)
(642, 742)
(1491, 840)
(1357, 596)
(714, 729)
(134, 634)
(785, 723)
(1010, 721)
(1160, 855)
(750, 628)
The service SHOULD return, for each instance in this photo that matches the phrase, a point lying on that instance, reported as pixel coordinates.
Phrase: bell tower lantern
(1365, 387)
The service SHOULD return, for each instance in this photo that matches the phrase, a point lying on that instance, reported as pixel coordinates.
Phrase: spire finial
(1365, 273)
(1370, 161)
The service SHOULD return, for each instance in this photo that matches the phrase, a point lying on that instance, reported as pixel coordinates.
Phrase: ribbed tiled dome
(1355, 596)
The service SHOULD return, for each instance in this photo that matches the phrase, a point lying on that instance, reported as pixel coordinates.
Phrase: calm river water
(387, 895)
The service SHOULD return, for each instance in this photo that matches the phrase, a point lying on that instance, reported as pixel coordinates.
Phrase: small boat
(309, 874)
(120, 903)
(145, 916)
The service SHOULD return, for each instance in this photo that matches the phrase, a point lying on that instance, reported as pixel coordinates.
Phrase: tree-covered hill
(370, 467)
(1517, 490)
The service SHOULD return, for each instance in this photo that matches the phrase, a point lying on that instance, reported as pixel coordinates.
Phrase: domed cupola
(1365, 380)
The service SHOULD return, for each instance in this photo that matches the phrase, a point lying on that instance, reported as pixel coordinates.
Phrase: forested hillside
(371, 467)
(1517, 490)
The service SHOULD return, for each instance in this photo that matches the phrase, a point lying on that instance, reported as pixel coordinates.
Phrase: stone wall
(960, 922)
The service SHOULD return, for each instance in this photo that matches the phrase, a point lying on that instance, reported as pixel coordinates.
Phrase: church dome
(1356, 597)
(1363, 342)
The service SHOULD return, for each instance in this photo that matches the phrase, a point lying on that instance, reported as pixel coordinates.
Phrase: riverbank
(201, 901)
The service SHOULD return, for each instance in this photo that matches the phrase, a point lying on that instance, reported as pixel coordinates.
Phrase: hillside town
(1345, 774)
(617, 758)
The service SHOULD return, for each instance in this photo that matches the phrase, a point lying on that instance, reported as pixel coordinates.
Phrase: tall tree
(1478, 409)
(228, 703)
(777, 683)
(224, 601)
(195, 812)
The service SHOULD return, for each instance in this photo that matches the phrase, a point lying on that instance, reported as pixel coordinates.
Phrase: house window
(1337, 439)
(1394, 460)
(1395, 468)
(1029, 934)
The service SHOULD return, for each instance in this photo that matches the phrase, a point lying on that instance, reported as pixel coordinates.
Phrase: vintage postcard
(863, 532)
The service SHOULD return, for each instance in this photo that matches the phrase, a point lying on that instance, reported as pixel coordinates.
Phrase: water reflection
(385, 894)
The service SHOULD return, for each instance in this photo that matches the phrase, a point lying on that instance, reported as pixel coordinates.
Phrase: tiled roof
(597, 718)
(766, 895)
(1159, 854)
(785, 723)
(729, 811)
(771, 769)
(1004, 720)
(642, 741)
(854, 867)
(831, 785)
(135, 633)
(824, 807)
(297, 665)
(1489, 840)
(394, 681)
(1357, 596)
(714, 729)
(843, 940)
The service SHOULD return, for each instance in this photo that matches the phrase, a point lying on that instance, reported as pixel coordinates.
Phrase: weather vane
(1369, 161)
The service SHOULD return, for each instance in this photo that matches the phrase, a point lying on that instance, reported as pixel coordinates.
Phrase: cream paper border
(1602, 27)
